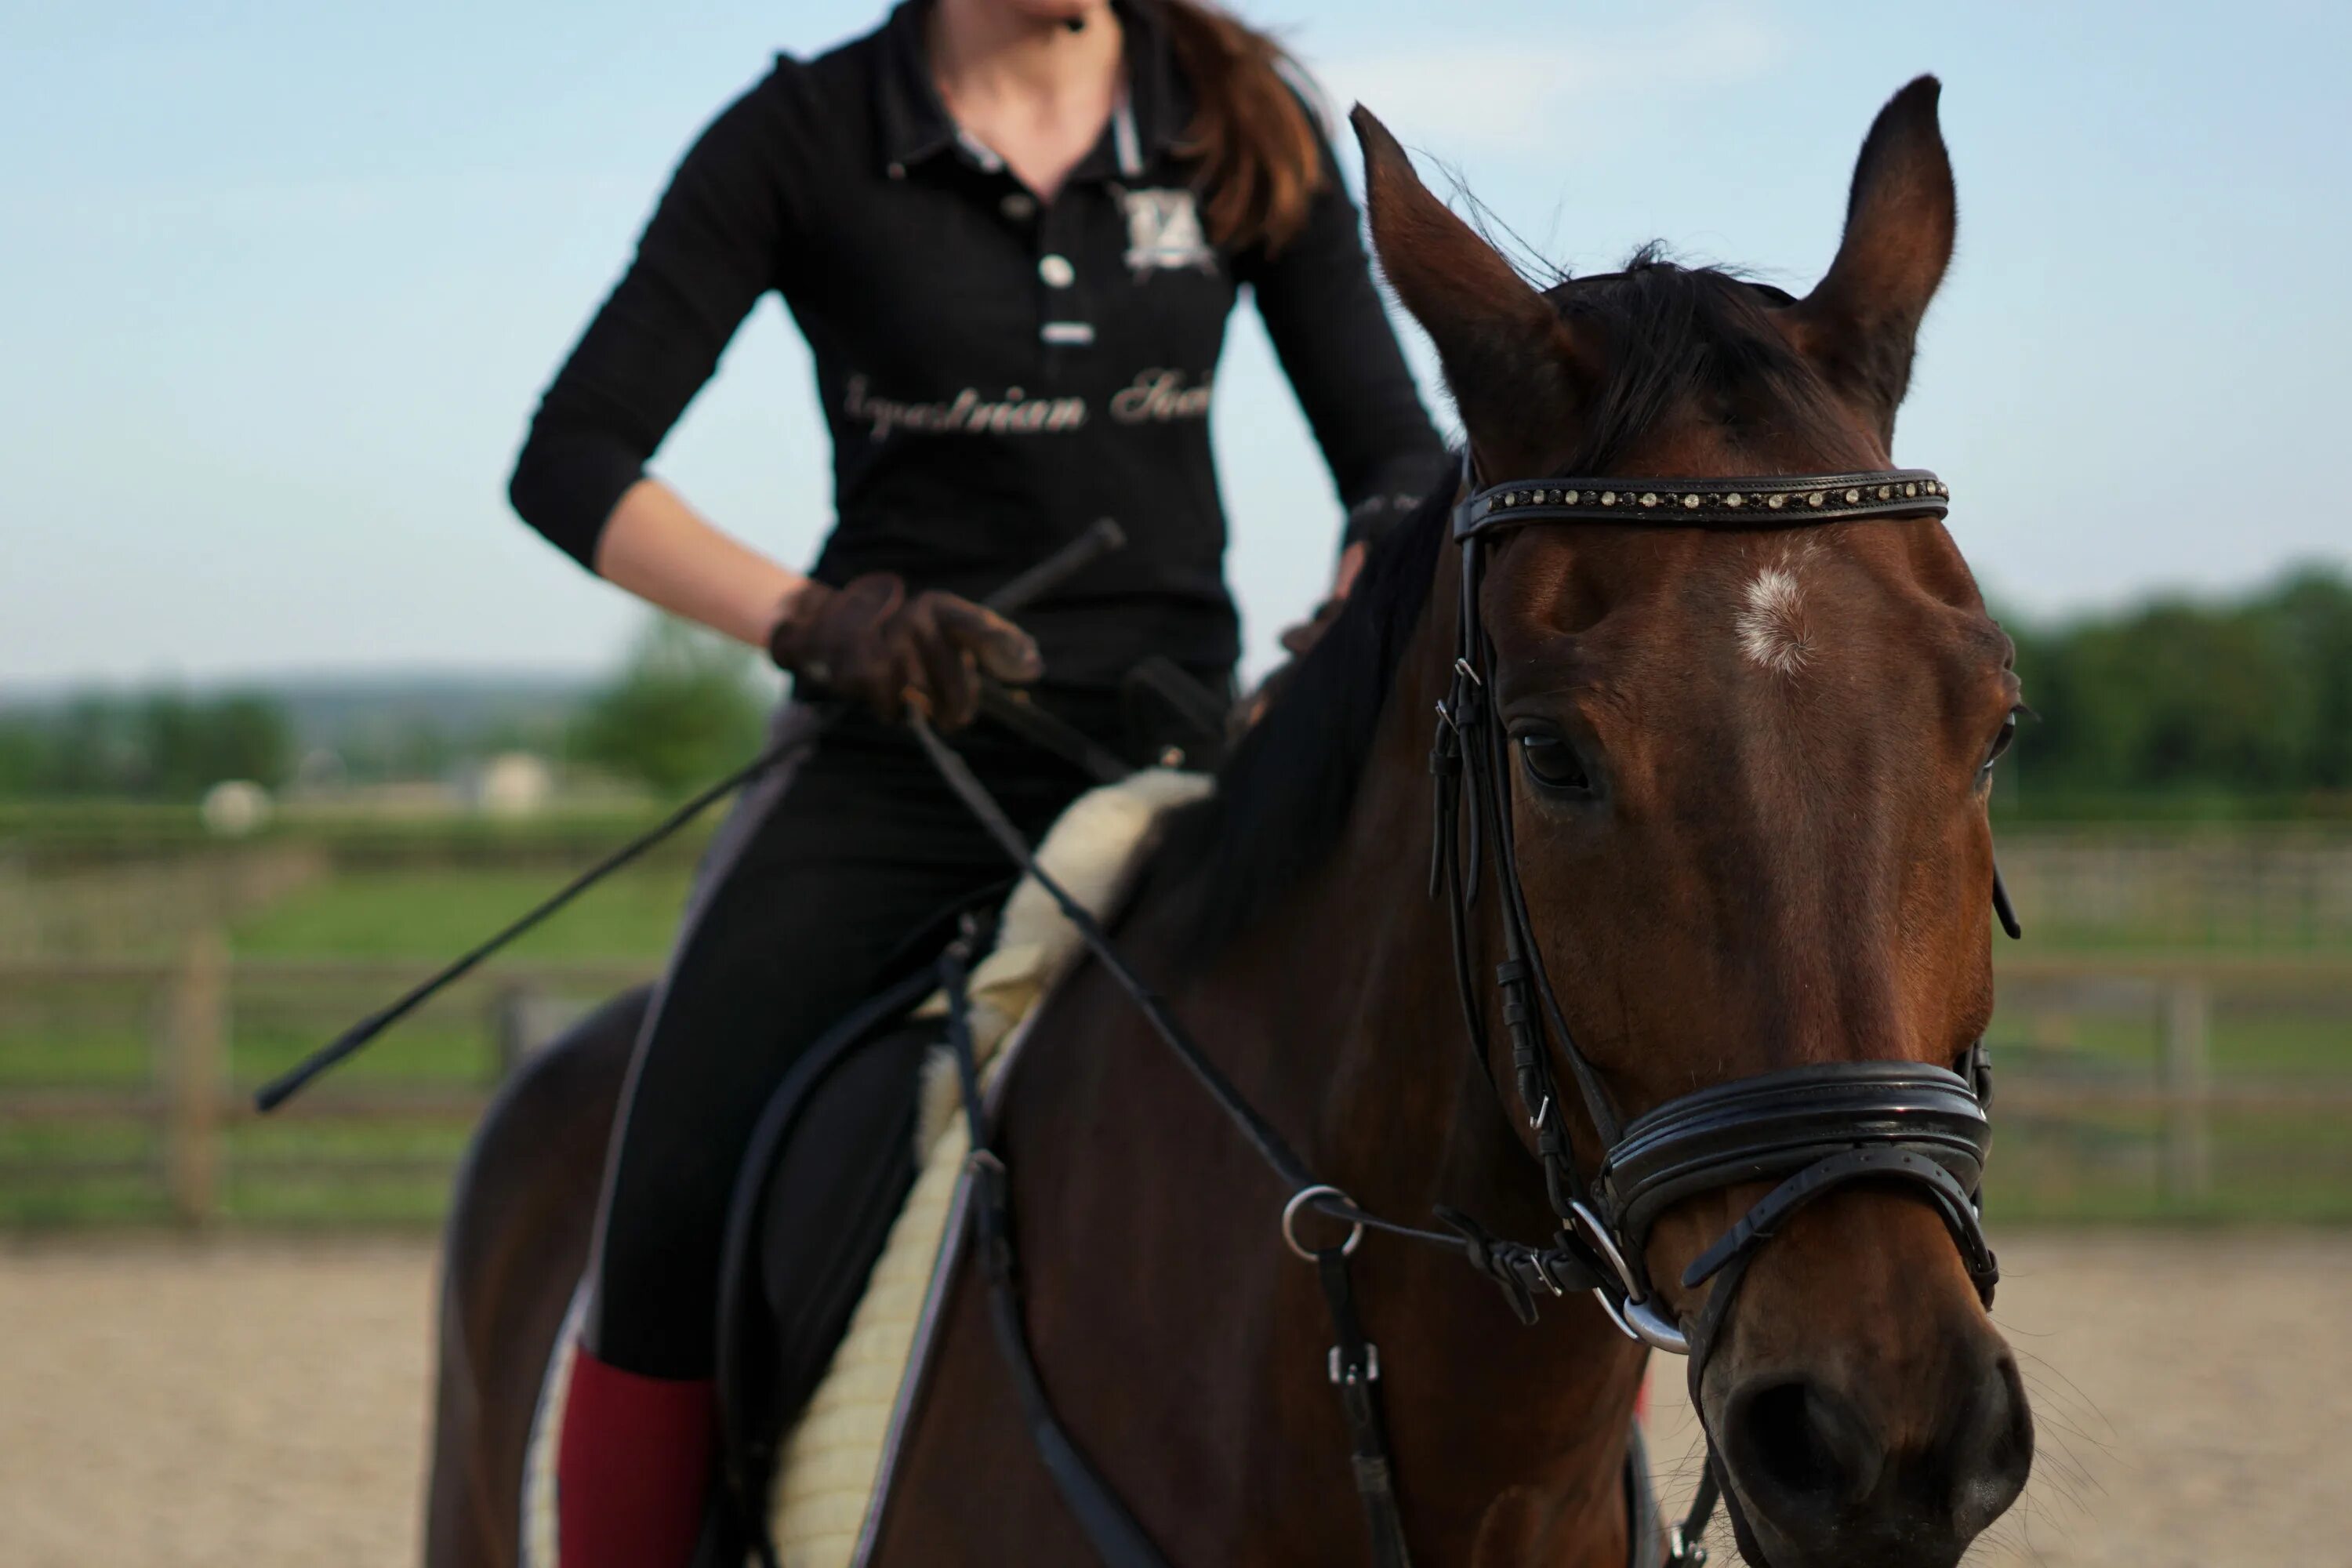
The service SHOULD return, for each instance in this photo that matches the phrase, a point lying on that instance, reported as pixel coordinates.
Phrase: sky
(280, 284)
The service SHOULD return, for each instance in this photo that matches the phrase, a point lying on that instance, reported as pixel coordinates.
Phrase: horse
(1745, 797)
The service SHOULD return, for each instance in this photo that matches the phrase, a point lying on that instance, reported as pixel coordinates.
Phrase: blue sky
(279, 284)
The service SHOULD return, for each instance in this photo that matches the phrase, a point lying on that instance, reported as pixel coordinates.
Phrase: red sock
(631, 1468)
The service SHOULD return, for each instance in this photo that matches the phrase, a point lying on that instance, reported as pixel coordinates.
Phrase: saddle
(844, 1204)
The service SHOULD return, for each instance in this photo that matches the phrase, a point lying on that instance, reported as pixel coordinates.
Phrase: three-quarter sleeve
(711, 249)
(1323, 312)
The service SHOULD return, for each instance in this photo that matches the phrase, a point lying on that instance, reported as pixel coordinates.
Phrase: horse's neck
(1345, 1026)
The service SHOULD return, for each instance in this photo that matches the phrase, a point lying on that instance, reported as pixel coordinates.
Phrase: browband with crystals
(1781, 501)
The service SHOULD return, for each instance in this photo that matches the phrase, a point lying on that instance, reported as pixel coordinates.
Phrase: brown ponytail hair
(1261, 162)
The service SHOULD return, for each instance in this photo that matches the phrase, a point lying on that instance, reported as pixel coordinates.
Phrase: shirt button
(1056, 271)
(1019, 206)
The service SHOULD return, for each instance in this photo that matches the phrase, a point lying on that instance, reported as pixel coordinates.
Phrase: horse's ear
(1510, 361)
(1859, 326)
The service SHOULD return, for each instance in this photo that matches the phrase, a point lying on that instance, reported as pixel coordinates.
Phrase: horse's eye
(1552, 762)
(2001, 743)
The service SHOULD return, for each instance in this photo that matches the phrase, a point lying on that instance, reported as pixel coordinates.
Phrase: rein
(1812, 1129)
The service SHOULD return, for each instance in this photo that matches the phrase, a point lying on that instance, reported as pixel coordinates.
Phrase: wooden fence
(2244, 887)
(191, 1103)
(193, 1110)
(2043, 996)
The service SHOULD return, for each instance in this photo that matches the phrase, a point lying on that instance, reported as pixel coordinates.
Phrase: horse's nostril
(1992, 1449)
(1829, 1485)
(1805, 1445)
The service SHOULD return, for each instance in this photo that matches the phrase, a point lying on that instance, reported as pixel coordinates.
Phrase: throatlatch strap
(1355, 1371)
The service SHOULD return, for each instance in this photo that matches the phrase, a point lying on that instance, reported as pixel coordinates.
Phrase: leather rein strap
(1815, 1127)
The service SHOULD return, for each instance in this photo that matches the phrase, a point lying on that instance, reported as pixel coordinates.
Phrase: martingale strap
(1355, 1371)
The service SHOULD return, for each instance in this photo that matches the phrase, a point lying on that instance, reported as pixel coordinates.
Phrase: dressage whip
(1025, 590)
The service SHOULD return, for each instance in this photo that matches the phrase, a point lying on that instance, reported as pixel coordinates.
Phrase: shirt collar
(1156, 89)
(915, 125)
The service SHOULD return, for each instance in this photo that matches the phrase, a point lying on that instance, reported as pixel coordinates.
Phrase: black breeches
(812, 889)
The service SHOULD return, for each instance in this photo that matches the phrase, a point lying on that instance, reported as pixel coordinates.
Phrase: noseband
(1812, 1129)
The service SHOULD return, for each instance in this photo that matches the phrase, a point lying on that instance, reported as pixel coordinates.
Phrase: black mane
(1673, 333)
(1285, 789)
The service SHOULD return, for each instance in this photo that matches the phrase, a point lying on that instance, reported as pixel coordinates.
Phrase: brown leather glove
(1298, 639)
(869, 643)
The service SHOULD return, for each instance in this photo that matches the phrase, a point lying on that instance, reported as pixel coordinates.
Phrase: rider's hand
(867, 641)
(1298, 639)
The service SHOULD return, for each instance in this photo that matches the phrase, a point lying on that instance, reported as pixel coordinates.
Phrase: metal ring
(1290, 1217)
(1615, 1315)
(1652, 1327)
(1604, 1244)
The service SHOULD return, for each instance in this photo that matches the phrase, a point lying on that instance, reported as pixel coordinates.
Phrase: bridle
(1812, 1130)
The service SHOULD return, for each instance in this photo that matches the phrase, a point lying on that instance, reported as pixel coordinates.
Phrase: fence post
(2188, 1074)
(195, 1063)
(510, 1021)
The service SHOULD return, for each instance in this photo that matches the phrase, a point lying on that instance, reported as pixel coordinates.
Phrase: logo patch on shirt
(1163, 232)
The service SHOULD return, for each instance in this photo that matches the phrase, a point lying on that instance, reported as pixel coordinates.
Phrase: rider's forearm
(662, 550)
(1352, 563)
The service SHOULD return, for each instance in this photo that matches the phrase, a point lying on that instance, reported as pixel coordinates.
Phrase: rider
(1011, 232)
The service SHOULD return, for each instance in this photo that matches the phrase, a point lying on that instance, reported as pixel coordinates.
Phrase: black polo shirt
(997, 373)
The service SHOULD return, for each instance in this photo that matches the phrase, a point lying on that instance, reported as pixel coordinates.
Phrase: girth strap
(1113, 1531)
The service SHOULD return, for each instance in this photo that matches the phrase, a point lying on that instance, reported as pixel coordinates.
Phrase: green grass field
(429, 915)
(101, 1033)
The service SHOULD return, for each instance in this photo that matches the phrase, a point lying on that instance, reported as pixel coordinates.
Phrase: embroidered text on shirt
(1014, 414)
(1161, 395)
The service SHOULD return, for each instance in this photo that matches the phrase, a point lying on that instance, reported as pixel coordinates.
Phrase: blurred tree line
(2242, 705)
(2244, 699)
(164, 745)
(688, 706)
(684, 706)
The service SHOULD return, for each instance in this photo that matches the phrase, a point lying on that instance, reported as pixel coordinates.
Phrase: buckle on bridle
(1681, 1551)
(1368, 1373)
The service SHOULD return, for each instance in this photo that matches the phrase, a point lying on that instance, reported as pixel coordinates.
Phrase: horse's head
(1748, 777)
